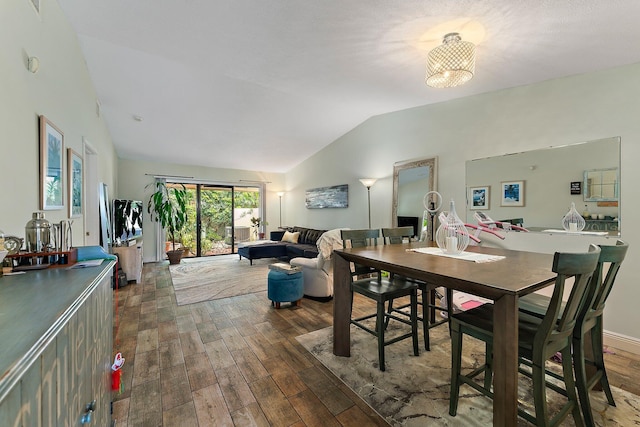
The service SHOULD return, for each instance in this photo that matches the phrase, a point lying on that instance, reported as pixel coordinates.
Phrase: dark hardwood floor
(236, 362)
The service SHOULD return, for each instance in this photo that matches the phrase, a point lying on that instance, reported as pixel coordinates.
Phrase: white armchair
(318, 272)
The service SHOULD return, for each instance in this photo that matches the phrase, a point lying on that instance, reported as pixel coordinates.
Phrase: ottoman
(285, 286)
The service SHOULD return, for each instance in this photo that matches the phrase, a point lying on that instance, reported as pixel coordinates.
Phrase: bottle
(585, 213)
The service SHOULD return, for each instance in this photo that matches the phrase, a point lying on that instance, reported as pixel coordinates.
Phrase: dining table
(503, 280)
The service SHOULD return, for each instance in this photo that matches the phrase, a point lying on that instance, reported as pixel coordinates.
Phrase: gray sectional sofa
(305, 247)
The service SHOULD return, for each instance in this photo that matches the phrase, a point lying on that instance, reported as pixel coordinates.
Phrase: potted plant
(255, 223)
(168, 206)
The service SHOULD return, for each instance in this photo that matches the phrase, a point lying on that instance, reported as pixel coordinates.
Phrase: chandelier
(452, 63)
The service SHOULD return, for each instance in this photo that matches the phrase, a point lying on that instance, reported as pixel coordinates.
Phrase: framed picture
(74, 179)
(336, 196)
(512, 193)
(479, 197)
(51, 166)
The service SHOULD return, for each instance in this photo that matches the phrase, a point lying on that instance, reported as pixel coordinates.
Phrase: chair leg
(425, 318)
(389, 310)
(449, 293)
(570, 386)
(581, 379)
(598, 359)
(539, 391)
(488, 370)
(380, 329)
(414, 321)
(456, 361)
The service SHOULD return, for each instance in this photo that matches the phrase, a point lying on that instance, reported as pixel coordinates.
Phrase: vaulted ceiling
(263, 85)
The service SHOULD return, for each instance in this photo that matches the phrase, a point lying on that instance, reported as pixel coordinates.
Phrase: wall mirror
(412, 179)
(548, 181)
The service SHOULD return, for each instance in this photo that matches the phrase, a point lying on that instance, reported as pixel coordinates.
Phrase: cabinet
(130, 258)
(57, 346)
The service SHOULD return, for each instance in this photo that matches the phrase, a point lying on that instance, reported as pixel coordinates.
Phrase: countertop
(34, 306)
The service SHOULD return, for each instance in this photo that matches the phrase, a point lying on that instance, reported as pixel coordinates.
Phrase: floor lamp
(280, 194)
(368, 182)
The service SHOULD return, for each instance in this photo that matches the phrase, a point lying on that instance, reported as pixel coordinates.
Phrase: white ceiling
(263, 85)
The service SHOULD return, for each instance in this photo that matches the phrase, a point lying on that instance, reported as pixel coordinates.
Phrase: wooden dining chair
(380, 290)
(428, 291)
(589, 322)
(538, 339)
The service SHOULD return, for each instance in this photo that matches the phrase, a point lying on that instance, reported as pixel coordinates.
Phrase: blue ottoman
(285, 287)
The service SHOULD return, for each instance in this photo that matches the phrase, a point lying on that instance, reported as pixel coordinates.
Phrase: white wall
(552, 113)
(134, 176)
(61, 90)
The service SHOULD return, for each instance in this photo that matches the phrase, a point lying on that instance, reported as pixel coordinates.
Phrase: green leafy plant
(255, 222)
(168, 206)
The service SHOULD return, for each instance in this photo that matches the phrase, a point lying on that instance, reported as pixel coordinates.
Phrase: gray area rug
(198, 279)
(414, 391)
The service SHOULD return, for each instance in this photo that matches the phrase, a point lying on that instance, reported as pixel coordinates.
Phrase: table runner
(465, 256)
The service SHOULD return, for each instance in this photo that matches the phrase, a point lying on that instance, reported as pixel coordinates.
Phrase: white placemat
(465, 256)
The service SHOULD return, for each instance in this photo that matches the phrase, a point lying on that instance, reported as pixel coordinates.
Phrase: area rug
(414, 391)
(198, 279)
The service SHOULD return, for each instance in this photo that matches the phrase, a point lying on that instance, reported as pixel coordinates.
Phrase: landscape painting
(336, 196)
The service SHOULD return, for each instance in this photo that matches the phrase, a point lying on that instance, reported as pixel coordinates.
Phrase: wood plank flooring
(235, 362)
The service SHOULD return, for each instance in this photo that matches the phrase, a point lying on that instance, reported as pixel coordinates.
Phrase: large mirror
(547, 182)
(412, 179)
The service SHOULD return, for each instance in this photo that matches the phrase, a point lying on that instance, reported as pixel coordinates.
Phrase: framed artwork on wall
(75, 182)
(51, 166)
(479, 197)
(512, 193)
(336, 196)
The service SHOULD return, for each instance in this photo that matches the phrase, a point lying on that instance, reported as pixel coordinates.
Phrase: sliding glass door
(219, 218)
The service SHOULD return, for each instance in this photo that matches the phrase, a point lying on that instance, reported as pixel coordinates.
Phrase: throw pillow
(290, 237)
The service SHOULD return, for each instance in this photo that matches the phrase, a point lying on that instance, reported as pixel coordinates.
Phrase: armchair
(318, 272)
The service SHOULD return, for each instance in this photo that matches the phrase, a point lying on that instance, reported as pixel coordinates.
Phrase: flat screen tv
(404, 221)
(127, 219)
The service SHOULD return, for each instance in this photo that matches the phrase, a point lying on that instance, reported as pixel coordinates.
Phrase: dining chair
(589, 321)
(538, 339)
(380, 290)
(428, 291)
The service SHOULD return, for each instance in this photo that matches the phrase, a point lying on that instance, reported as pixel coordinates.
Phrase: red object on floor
(116, 377)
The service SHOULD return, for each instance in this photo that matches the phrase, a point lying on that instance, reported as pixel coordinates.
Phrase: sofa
(288, 243)
(318, 272)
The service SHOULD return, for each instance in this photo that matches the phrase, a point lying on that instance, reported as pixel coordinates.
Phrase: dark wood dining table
(502, 281)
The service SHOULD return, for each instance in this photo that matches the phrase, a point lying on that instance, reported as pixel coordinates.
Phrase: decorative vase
(452, 236)
(573, 222)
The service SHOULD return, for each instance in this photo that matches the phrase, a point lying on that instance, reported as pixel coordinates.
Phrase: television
(405, 221)
(127, 219)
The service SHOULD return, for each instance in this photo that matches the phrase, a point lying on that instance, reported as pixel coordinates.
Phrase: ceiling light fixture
(452, 63)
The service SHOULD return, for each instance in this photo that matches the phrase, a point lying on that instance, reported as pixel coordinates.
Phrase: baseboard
(621, 342)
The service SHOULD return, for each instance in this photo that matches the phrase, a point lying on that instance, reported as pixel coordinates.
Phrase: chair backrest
(396, 235)
(358, 239)
(601, 283)
(580, 266)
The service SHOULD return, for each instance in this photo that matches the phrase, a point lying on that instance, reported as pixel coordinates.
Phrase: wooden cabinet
(57, 346)
(130, 258)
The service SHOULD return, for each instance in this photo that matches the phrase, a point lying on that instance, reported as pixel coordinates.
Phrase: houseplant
(168, 206)
(255, 223)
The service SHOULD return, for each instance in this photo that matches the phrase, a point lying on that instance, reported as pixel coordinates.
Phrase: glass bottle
(573, 222)
(452, 236)
(585, 213)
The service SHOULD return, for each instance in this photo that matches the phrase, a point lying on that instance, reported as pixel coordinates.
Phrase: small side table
(285, 284)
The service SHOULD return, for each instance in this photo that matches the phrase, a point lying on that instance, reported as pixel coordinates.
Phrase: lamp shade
(368, 182)
(452, 63)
